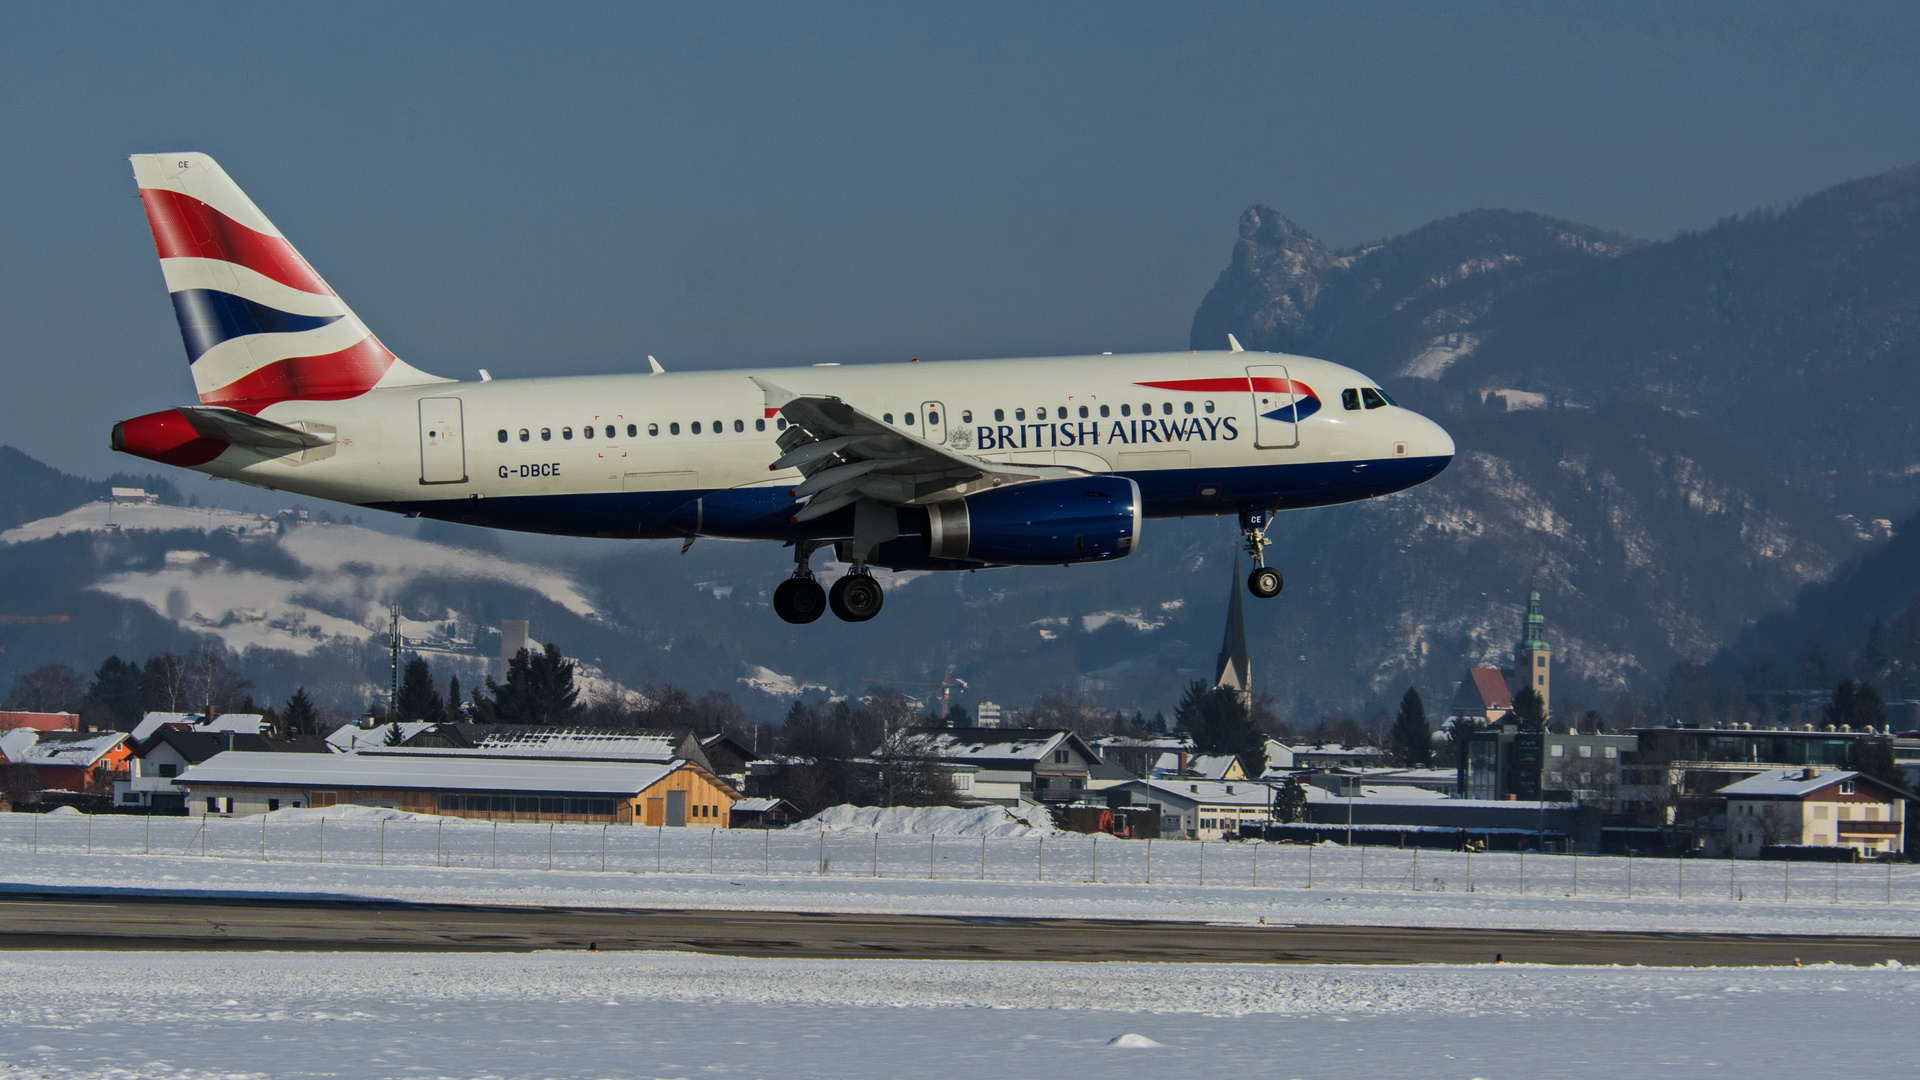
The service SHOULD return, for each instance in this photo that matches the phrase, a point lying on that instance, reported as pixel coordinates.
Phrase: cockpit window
(1351, 399)
(1374, 398)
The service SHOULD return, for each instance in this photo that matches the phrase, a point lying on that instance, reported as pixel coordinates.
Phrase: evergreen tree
(418, 699)
(1290, 802)
(119, 691)
(1840, 707)
(453, 714)
(1412, 738)
(300, 717)
(1529, 710)
(539, 690)
(1217, 721)
(1874, 757)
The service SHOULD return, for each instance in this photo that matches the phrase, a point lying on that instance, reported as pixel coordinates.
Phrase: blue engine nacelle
(1047, 522)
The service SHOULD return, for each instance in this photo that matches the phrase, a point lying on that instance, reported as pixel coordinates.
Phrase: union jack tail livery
(260, 326)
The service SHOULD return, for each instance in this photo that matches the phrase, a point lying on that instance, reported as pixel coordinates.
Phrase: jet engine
(1047, 522)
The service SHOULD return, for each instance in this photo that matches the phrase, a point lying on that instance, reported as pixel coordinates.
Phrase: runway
(70, 921)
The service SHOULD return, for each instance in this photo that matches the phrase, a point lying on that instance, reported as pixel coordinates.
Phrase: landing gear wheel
(855, 598)
(799, 600)
(1265, 582)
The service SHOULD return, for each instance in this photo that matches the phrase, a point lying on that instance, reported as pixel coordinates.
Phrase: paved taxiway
(55, 921)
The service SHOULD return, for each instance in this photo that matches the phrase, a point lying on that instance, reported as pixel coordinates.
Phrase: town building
(40, 721)
(673, 794)
(71, 761)
(238, 723)
(1675, 774)
(153, 772)
(539, 742)
(1182, 765)
(1019, 765)
(1505, 762)
(1485, 695)
(1197, 809)
(1813, 807)
(1138, 754)
(1314, 756)
(762, 813)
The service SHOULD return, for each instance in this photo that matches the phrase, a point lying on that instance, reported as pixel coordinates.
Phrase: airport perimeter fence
(457, 843)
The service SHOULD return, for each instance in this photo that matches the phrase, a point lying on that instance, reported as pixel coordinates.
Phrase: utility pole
(393, 640)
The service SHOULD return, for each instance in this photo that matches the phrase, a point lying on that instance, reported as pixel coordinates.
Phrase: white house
(1198, 809)
(1816, 807)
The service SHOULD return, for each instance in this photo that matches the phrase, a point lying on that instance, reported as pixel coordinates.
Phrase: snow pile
(990, 821)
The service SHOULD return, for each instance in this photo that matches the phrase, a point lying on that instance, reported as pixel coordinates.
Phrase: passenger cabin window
(739, 425)
(674, 428)
(524, 436)
(653, 430)
(780, 424)
(719, 426)
(760, 424)
(566, 433)
(888, 417)
(1350, 399)
(634, 429)
(1062, 414)
(1208, 406)
(546, 434)
(999, 415)
(1105, 412)
(1166, 408)
(1373, 398)
(1187, 407)
(966, 416)
(933, 417)
(503, 434)
(909, 419)
(1126, 410)
(1019, 414)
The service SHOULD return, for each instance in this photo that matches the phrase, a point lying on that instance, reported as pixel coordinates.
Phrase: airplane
(955, 465)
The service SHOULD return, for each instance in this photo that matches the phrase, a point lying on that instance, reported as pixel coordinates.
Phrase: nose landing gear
(1265, 582)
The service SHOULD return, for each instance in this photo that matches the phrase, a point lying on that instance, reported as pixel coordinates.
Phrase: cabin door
(935, 416)
(676, 808)
(443, 443)
(1275, 425)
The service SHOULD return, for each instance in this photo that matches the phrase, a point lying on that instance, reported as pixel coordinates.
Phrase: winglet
(1233, 344)
(776, 395)
(655, 365)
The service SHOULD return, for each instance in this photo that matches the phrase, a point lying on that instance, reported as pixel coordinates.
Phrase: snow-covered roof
(244, 768)
(1403, 793)
(993, 743)
(354, 738)
(642, 748)
(756, 805)
(238, 723)
(1218, 792)
(27, 746)
(1786, 783)
(1211, 766)
(1336, 750)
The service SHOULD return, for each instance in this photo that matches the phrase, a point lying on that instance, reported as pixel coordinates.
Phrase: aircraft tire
(1265, 582)
(799, 600)
(855, 598)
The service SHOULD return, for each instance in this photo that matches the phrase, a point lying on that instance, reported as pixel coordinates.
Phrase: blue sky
(567, 188)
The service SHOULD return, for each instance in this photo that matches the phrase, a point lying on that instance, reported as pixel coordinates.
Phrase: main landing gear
(1265, 582)
(856, 597)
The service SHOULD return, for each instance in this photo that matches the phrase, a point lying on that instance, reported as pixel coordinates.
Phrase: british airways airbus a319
(958, 465)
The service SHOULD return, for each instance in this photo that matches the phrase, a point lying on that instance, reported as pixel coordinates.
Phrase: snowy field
(366, 853)
(201, 1016)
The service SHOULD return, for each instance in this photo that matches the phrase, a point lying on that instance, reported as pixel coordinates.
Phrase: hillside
(1790, 333)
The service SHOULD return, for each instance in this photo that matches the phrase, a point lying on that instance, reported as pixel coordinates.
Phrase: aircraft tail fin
(260, 326)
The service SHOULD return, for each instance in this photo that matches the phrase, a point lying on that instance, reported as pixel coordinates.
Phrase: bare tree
(49, 688)
(1779, 823)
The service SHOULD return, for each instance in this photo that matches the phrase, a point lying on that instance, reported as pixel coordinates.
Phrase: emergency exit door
(443, 443)
(935, 415)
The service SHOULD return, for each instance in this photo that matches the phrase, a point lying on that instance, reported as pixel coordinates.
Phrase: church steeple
(1232, 670)
(1533, 657)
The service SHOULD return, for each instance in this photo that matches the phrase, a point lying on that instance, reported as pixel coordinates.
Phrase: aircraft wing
(845, 455)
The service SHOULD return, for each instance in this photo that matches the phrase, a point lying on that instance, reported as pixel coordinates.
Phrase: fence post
(1416, 869)
(263, 824)
(36, 834)
(766, 854)
(549, 845)
(1041, 861)
(603, 848)
(1786, 879)
(1680, 887)
(983, 858)
(439, 849)
(323, 839)
(496, 845)
(1576, 873)
(823, 849)
(383, 841)
(1733, 876)
(1203, 863)
(712, 832)
(1889, 881)
(149, 829)
(263, 838)
(1310, 864)
(1363, 866)
(1836, 882)
(1469, 869)
(1149, 860)
(932, 839)
(1629, 873)
(659, 836)
(1256, 864)
(1523, 871)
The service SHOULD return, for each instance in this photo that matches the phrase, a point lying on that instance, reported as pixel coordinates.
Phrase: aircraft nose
(1430, 440)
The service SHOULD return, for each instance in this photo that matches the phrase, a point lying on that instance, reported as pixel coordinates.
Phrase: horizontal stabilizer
(244, 429)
